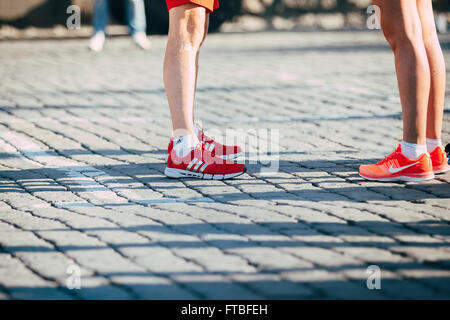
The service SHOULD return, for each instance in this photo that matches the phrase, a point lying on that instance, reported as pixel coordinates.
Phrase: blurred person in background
(410, 30)
(191, 152)
(135, 11)
(441, 17)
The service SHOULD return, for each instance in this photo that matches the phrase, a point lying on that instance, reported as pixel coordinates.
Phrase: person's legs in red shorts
(187, 31)
(188, 26)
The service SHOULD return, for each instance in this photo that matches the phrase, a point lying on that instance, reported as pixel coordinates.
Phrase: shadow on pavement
(339, 181)
(197, 286)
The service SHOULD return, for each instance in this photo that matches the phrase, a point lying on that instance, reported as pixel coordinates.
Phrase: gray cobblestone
(83, 141)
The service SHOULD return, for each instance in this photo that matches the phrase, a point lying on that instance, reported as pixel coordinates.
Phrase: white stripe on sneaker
(191, 164)
(203, 168)
(211, 147)
(197, 166)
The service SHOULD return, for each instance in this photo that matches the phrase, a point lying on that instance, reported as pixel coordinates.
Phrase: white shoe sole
(231, 156)
(442, 171)
(400, 178)
(224, 157)
(178, 173)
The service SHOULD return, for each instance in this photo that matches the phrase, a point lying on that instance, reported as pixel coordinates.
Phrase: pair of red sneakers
(397, 167)
(209, 160)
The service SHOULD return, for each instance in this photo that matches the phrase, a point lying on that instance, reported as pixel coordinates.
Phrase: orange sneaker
(439, 160)
(397, 167)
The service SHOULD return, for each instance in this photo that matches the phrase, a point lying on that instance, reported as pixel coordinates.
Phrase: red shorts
(210, 5)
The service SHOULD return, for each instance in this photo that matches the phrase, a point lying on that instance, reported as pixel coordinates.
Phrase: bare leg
(198, 54)
(186, 33)
(437, 70)
(402, 28)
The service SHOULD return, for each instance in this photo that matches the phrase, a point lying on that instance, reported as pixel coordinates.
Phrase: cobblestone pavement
(83, 139)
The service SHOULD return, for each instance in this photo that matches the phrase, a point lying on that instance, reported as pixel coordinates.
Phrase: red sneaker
(201, 164)
(397, 167)
(439, 160)
(218, 149)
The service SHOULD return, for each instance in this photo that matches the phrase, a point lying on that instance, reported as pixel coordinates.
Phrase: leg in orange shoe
(402, 28)
(437, 69)
(437, 89)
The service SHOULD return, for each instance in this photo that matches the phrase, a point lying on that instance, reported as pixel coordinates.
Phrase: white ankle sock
(196, 129)
(184, 145)
(433, 144)
(413, 151)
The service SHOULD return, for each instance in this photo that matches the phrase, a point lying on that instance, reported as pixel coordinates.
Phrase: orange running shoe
(397, 167)
(439, 160)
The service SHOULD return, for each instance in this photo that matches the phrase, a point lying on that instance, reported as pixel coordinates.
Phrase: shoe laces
(387, 158)
(209, 154)
(202, 147)
(204, 136)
